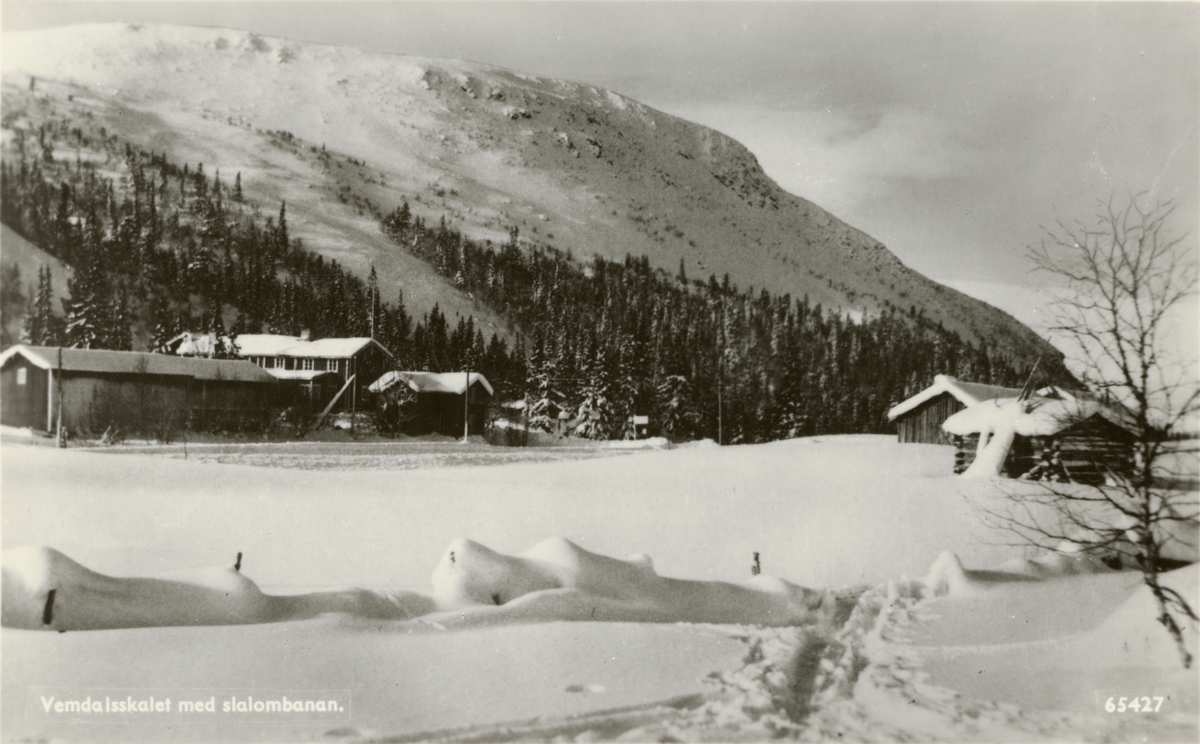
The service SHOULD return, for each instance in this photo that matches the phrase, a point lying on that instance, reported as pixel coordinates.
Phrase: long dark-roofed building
(98, 389)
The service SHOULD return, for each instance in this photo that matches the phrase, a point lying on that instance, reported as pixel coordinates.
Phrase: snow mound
(42, 589)
(557, 580)
(472, 585)
(948, 577)
(1144, 643)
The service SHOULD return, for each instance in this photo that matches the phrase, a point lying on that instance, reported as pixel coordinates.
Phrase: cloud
(849, 164)
(841, 160)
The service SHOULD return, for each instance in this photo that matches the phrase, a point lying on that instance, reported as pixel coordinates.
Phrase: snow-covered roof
(430, 382)
(1039, 417)
(265, 344)
(967, 393)
(271, 345)
(138, 362)
(300, 374)
(268, 344)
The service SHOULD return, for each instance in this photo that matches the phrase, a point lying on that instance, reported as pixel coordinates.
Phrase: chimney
(305, 335)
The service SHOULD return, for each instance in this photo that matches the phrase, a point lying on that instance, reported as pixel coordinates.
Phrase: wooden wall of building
(154, 403)
(91, 403)
(923, 424)
(443, 413)
(230, 404)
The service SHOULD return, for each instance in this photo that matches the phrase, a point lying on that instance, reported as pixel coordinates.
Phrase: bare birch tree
(1126, 280)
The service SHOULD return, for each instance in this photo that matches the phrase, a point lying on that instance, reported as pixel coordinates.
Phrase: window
(21, 373)
(309, 364)
(279, 363)
(331, 365)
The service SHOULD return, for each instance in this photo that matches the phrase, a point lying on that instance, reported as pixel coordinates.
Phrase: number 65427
(1117, 703)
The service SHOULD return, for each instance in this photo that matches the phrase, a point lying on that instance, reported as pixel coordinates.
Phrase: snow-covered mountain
(344, 134)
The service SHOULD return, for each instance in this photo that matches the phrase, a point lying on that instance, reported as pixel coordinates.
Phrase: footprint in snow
(587, 688)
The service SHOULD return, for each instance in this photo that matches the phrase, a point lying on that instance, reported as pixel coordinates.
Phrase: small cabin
(919, 419)
(439, 406)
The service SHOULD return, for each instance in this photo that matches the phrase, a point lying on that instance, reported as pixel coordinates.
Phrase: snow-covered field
(585, 599)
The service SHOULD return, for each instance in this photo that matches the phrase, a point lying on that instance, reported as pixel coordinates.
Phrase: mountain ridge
(573, 166)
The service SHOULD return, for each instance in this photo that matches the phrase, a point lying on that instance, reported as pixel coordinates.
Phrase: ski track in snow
(856, 679)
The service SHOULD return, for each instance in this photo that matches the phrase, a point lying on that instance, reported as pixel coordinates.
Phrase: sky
(952, 132)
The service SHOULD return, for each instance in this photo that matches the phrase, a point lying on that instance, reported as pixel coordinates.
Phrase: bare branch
(1122, 276)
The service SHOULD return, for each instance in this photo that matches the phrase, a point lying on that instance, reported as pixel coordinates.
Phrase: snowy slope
(29, 259)
(572, 165)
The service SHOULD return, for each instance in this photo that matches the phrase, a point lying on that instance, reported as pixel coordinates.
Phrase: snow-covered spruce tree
(88, 306)
(281, 231)
(120, 335)
(626, 390)
(538, 401)
(1122, 280)
(163, 326)
(596, 412)
(676, 409)
(42, 327)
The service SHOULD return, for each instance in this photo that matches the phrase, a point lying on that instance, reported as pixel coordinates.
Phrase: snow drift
(557, 579)
(947, 576)
(43, 589)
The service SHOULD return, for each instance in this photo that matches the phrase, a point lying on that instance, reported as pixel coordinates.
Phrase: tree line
(606, 340)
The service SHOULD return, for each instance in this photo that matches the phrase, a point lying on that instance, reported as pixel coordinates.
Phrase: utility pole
(467, 402)
(721, 377)
(61, 436)
(374, 295)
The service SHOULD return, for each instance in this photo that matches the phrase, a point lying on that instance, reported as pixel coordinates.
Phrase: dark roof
(138, 362)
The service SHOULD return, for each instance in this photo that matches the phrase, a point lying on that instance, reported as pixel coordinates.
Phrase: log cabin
(1060, 436)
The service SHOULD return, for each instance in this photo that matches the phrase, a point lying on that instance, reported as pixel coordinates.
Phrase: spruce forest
(158, 248)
